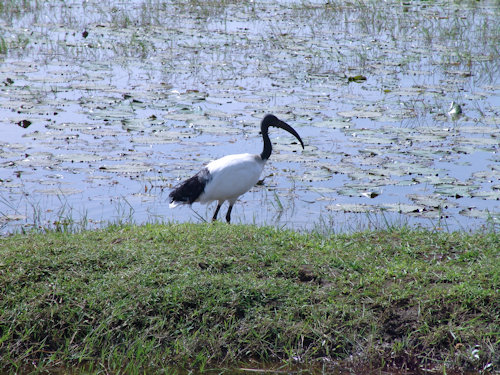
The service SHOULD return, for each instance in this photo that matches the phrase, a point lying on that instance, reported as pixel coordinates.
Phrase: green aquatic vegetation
(3, 46)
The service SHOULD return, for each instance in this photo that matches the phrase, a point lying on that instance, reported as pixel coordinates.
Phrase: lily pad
(404, 208)
(59, 191)
(433, 201)
(332, 124)
(127, 168)
(161, 137)
(71, 126)
(349, 207)
(493, 194)
(78, 158)
(455, 190)
(360, 113)
(476, 213)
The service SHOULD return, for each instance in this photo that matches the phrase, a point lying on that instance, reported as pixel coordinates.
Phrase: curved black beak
(283, 125)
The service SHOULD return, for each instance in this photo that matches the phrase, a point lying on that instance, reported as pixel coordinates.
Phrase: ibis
(227, 178)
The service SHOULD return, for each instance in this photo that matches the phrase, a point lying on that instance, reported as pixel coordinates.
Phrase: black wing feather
(189, 190)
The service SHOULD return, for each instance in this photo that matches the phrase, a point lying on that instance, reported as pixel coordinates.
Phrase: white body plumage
(231, 176)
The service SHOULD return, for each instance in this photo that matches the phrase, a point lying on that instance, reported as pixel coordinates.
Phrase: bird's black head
(272, 120)
(269, 120)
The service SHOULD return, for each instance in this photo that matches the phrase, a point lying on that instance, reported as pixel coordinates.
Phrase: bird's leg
(228, 215)
(214, 218)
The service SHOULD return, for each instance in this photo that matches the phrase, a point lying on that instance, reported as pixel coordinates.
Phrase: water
(155, 90)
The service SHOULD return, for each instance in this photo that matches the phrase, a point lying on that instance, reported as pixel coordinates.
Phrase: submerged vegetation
(201, 295)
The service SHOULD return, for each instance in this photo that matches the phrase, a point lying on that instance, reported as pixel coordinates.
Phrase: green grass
(133, 299)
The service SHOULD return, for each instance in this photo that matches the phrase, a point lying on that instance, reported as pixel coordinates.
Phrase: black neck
(268, 148)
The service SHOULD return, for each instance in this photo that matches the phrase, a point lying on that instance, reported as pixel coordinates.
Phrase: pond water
(105, 105)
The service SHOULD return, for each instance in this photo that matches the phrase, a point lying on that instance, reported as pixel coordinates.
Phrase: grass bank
(148, 297)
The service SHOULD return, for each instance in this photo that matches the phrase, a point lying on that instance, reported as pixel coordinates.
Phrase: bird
(229, 177)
